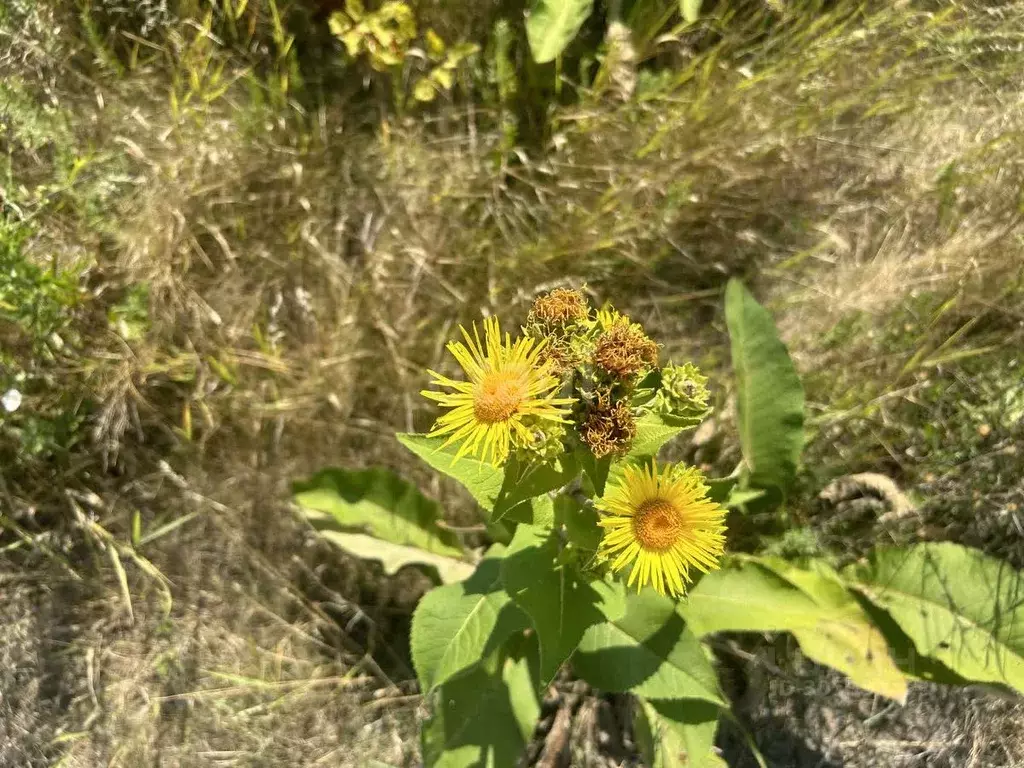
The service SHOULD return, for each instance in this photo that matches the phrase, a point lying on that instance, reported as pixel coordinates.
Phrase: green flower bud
(546, 441)
(683, 394)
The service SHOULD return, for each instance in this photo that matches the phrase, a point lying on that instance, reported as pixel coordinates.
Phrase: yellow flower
(663, 524)
(508, 388)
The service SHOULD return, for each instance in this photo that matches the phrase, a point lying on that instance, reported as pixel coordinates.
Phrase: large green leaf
(595, 470)
(677, 733)
(956, 604)
(826, 620)
(914, 665)
(848, 639)
(721, 488)
(743, 597)
(653, 430)
(498, 490)
(378, 502)
(394, 557)
(552, 25)
(580, 521)
(540, 511)
(769, 396)
(560, 602)
(647, 651)
(526, 485)
(727, 492)
(481, 479)
(457, 625)
(375, 514)
(484, 718)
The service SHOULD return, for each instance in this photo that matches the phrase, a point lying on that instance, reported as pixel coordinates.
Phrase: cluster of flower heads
(579, 380)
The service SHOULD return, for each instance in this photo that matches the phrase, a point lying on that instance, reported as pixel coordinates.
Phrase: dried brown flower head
(559, 307)
(608, 427)
(624, 350)
(558, 357)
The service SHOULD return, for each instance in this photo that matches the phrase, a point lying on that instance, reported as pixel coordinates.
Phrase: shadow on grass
(781, 746)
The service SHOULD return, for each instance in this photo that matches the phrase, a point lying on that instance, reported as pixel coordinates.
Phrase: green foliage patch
(552, 596)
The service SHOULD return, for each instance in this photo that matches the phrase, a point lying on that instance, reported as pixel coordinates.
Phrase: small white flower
(11, 401)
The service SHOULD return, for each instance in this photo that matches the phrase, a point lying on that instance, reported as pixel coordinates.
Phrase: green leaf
(726, 492)
(479, 478)
(378, 502)
(653, 430)
(552, 25)
(743, 597)
(770, 595)
(770, 398)
(957, 605)
(457, 625)
(849, 639)
(677, 733)
(394, 557)
(646, 390)
(522, 696)
(580, 523)
(497, 490)
(721, 488)
(740, 497)
(375, 514)
(560, 602)
(540, 512)
(647, 651)
(912, 664)
(484, 718)
(524, 483)
(595, 469)
(690, 9)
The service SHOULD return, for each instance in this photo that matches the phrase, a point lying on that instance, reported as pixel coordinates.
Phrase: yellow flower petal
(661, 524)
(506, 382)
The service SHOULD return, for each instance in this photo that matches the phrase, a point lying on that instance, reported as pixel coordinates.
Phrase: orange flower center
(657, 525)
(498, 396)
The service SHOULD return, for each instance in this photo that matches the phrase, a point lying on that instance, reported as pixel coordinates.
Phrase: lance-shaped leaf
(769, 395)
